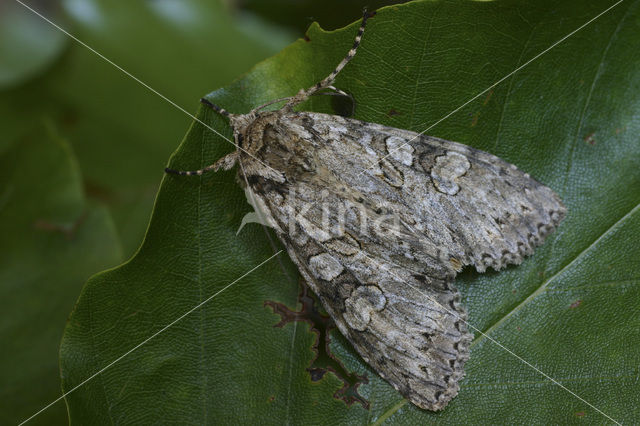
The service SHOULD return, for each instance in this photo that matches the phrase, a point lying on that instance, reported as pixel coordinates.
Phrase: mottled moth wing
(404, 320)
(379, 220)
(475, 206)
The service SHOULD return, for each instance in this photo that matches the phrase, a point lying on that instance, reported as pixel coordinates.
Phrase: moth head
(255, 131)
(240, 123)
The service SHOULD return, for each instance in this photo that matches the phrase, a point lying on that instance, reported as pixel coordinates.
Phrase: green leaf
(52, 241)
(570, 118)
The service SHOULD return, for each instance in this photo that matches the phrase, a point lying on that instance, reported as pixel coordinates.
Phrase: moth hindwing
(379, 220)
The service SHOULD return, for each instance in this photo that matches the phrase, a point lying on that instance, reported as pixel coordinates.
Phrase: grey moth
(379, 221)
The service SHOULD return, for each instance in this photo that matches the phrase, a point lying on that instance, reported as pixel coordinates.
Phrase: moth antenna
(215, 107)
(328, 81)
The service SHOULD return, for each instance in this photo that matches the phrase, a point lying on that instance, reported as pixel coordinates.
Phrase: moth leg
(328, 81)
(336, 92)
(275, 101)
(225, 163)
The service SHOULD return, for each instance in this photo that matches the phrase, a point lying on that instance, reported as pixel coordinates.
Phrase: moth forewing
(379, 220)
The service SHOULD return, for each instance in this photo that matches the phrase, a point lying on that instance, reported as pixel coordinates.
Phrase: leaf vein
(544, 284)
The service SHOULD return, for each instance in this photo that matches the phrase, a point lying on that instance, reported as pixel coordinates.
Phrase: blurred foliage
(569, 118)
(27, 44)
(121, 132)
(53, 239)
(120, 135)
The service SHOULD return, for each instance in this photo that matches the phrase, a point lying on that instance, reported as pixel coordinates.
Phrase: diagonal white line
(149, 338)
(455, 314)
(142, 83)
(496, 83)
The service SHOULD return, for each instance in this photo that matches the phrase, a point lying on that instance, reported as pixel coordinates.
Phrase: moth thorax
(255, 132)
(283, 149)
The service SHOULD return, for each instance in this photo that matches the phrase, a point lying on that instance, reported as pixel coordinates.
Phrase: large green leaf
(52, 241)
(570, 118)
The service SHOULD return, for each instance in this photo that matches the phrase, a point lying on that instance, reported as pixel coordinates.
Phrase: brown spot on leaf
(489, 95)
(306, 38)
(392, 112)
(316, 374)
(324, 361)
(590, 138)
(67, 229)
(576, 304)
(580, 414)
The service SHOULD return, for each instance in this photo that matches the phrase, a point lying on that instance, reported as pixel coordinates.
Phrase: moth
(379, 220)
